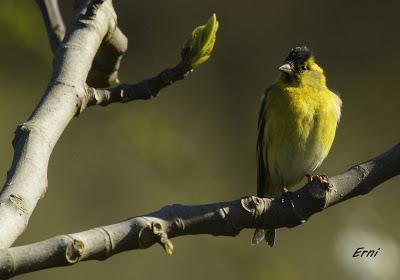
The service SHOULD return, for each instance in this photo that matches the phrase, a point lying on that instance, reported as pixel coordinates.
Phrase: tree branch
(34, 140)
(94, 25)
(104, 71)
(222, 218)
(142, 90)
(53, 21)
(93, 35)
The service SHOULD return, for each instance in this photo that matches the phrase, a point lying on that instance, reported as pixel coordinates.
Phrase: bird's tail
(260, 234)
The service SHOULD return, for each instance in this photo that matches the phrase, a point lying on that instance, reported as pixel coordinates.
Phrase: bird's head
(300, 67)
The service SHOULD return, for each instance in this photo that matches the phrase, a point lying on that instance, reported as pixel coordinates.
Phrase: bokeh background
(195, 143)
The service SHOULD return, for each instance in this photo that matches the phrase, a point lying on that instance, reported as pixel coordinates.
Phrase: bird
(297, 122)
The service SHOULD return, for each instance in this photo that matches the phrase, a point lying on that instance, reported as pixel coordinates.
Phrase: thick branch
(66, 96)
(222, 218)
(34, 140)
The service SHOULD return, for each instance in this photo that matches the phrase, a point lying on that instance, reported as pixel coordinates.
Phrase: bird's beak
(287, 69)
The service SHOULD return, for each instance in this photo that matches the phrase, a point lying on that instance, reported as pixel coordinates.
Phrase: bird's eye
(304, 67)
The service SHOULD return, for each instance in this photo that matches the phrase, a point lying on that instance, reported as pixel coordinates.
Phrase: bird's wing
(262, 170)
(262, 164)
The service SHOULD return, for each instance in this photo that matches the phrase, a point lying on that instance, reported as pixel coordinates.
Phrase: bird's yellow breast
(301, 124)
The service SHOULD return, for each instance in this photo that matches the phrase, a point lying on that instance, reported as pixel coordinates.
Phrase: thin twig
(53, 21)
(106, 64)
(142, 90)
(105, 67)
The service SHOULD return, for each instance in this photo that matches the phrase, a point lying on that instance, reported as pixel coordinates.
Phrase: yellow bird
(296, 127)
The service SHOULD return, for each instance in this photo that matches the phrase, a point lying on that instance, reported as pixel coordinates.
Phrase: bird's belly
(298, 159)
(300, 145)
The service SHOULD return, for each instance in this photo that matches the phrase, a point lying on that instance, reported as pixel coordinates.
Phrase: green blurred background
(195, 143)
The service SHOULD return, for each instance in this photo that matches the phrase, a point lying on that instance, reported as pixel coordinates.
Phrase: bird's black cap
(299, 55)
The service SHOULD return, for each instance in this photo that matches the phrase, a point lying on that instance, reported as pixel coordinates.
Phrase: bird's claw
(285, 191)
(322, 179)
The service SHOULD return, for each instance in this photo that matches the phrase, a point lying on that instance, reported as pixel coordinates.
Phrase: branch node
(21, 128)
(322, 192)
(256, 206)
(179, 224)
(253, 205)
(89, 97)
(18, 202)
(91, 9)
(74, 251)
(162, 237)
(145, 236)
(109, 242)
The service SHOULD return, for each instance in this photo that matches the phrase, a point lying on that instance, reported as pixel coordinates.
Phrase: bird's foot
(285, 190)
(322, 179)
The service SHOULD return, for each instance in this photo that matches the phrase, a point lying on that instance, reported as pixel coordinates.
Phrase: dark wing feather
(262, 164)
(262, 172)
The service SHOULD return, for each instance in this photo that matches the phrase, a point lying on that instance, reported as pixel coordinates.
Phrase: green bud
(168, 247)
(200, 44)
